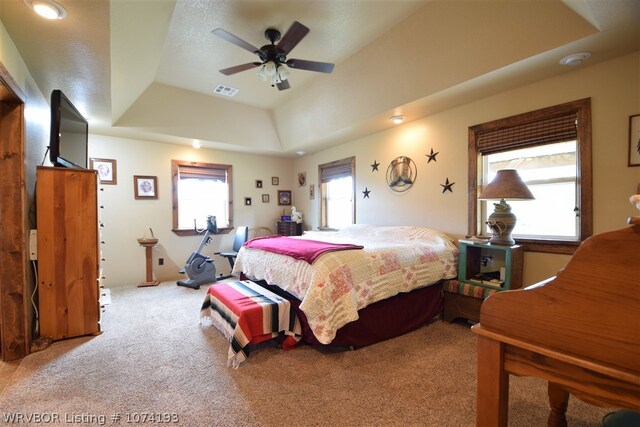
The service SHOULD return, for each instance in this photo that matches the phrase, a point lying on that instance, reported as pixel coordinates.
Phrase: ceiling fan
(273, 56)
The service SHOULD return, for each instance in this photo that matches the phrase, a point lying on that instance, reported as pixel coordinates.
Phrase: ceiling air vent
(225, 90)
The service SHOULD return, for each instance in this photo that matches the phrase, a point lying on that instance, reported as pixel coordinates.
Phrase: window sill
(192, 232)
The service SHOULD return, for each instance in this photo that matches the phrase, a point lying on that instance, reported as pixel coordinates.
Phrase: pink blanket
(302, 249)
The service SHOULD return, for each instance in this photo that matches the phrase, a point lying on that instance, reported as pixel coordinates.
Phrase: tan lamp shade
(507, 185)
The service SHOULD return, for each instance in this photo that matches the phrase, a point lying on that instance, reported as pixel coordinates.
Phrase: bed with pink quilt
(357, 286)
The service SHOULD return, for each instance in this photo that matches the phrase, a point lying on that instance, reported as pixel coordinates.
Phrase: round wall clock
(401, 174)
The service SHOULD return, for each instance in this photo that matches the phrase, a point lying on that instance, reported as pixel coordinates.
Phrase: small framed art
(145, 187)
(107, 170)
(258, 183)
(284, 197)
(265, 198)
(275, 180)
(634, 140)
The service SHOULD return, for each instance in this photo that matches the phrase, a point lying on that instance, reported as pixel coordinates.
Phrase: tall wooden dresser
(68, 252)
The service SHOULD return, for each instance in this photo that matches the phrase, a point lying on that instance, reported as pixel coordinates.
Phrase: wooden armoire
(68, 252)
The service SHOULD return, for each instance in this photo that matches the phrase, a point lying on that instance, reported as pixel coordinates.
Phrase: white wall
(125, 219)
(614, 89)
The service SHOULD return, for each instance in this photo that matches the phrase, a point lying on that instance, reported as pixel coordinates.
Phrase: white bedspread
(394, 259)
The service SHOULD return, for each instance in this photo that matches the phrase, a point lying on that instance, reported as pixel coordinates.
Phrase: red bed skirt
(377, 322)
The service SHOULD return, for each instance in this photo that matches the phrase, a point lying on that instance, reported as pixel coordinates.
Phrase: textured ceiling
(147, 69)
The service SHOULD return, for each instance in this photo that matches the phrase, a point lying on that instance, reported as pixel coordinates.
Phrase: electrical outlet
(33, 245)
(160, 261)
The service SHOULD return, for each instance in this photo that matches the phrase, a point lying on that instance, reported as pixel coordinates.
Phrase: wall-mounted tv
(69, 133)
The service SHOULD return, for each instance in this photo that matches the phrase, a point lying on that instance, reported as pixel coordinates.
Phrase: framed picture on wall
(284, 197)
(107, 170)
(265, 198)
(275, 180)
(634, 140)
(145, 187)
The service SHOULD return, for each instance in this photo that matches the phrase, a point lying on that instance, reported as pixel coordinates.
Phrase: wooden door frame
(15, 336)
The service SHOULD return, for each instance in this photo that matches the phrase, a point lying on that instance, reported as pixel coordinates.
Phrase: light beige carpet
(154, 357)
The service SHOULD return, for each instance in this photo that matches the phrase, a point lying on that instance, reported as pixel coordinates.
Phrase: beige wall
(125, 219)
(614, 89)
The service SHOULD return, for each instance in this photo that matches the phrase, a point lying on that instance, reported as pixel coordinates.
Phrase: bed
(387, 284)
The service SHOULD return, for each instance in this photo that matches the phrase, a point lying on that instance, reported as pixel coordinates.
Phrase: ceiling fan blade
(292, 37)
(283, 85)
(238, 68)
(235, 40)
(303, 64)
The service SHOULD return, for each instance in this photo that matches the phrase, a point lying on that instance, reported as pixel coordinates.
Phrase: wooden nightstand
(289, 228)
(482, 270)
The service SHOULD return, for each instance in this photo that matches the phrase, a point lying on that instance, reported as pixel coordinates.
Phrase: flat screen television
(68, 146)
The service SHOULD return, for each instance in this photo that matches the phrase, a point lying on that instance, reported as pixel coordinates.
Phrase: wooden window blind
(550, 130)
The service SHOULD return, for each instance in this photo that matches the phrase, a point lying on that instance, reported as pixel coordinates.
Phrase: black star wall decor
(432, 156)
(447, 186)
(366, 193)
(374, 166)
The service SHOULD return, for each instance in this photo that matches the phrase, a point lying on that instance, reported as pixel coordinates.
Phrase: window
(551, 150)
(199, 190)
(337, 193)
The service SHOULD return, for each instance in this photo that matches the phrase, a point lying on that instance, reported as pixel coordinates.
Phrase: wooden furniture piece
(580, 331)
(289, 228)
(477, 264)
(68, 252)
(148, 245)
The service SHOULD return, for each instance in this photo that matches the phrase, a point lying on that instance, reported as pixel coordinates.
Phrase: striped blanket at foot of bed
(246, 314)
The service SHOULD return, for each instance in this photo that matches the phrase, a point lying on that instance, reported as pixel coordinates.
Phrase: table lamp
(506, 185)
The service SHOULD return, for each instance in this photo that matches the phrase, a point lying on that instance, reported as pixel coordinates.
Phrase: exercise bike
(201, 269)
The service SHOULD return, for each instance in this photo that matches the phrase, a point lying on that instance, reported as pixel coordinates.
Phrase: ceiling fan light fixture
(48, 9)
(273, 73)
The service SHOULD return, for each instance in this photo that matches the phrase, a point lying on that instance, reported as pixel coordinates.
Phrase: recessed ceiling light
(397, 119)
(300, 153)
(48, 9)
(196, 144)
(575, 59)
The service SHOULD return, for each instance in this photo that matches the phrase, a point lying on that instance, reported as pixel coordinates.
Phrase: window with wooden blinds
(544, 131)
